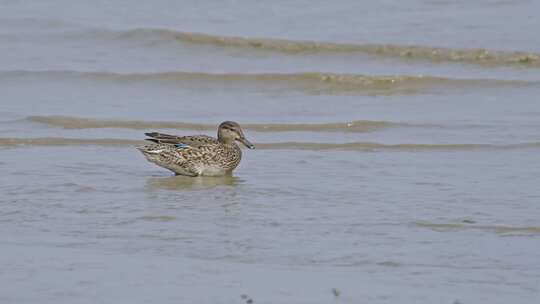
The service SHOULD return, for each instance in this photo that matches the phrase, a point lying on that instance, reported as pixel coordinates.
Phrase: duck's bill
(246, 143)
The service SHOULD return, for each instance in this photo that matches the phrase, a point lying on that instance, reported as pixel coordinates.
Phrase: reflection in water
(185, 182)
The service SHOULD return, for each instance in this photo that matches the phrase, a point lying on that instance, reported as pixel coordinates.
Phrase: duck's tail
(150, 149)
(162, 138)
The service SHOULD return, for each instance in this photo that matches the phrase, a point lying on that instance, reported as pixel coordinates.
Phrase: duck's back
(195, 141)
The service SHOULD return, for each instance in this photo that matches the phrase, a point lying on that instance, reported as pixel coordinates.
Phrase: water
(397, 152)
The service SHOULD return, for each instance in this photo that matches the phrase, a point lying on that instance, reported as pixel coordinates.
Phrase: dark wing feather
(195, 141)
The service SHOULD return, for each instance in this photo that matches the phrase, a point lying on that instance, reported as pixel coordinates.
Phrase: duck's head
(230, 131)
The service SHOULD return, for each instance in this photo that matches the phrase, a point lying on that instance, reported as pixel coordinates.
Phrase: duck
(198, 155)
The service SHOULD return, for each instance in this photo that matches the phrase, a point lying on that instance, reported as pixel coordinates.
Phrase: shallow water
(394, 162)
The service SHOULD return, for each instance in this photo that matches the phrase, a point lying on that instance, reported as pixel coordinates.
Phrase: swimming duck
(198, 155)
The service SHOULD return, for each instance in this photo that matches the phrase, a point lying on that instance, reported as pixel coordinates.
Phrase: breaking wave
(307, 81)
(473, 226)
(68, 122)
(370, 146)
(60, 141)
(469, 56)
(315, 146)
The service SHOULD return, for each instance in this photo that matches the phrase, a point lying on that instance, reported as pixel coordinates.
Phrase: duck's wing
(180, 158)
(194, 141)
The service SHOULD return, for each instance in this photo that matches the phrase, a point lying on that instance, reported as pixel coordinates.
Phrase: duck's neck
(225, 140)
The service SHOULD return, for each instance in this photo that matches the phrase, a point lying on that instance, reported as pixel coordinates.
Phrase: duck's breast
(212, 170)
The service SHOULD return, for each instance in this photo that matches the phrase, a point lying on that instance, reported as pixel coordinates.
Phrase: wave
(68, 122)
(370, 146)
(315, 146)
(472, 226)
(309, 81)
(60, 141)
(438, 54)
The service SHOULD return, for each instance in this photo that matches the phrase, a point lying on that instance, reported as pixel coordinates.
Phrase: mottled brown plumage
(200, 154)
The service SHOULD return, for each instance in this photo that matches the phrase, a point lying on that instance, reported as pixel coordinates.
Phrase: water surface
(397, 152)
